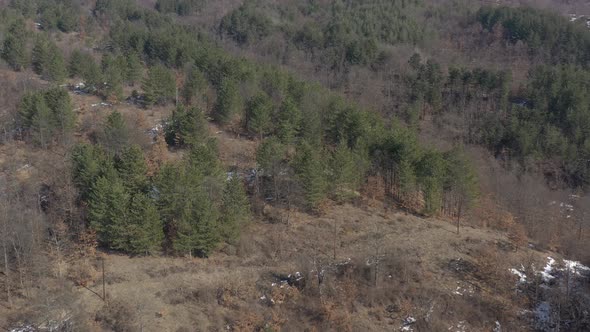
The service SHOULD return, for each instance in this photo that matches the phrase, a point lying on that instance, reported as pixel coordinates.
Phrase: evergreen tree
(76, 64)
(115, 133)
(289, 121)
(197, 225)
(186, 127)
(131, 166)
(431, 176)
(41, 124)
(270, 155)
(113, 69)
(134, 68)
(228, 101)
(14, 50)
(48, 60)
(47, 115)
(159, 86)
(189, 215)
(60, 103)
(108, 212)
(235, 210)
(203, 159)
(259, 114)
(83, 65)
(144, 226)
(310, 171)
(89, 162)
(194, 84)
(460, 183)
(348, 168)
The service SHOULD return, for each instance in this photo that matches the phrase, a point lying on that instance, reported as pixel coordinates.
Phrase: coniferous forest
(255, 165)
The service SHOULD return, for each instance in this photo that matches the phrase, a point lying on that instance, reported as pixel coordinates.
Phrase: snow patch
(521, 275)
(407, 324)
(546, 273)
(460, 327)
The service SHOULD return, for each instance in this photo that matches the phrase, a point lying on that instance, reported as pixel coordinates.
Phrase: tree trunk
(459, 210)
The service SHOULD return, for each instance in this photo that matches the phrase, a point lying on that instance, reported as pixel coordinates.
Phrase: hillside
(196, 165)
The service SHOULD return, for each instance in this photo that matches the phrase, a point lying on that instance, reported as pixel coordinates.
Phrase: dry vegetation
(360, 266)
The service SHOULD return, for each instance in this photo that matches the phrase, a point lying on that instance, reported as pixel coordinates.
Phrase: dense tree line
(341, 33)
(544, 32)
(180, 7)
(51, 14)
(314, 144)
(46, 116)
(187, 207)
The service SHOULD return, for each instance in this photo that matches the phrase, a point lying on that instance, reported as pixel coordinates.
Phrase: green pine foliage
(133, 68)
(246, 24)
(189, 215)
(113, 71)
(259, 111)
(82, 65)
(235, 208)
(144, 228)
(545, 33)
(348, 168)
(89, 162)
(47, 115)
(108, 213)
(460, 181)
(432, 172)
(116, 191)
(186, 127)
(289, 123)
(311, 173)
(180, 7)
(159, 86)
(14, 47)
(115, 135)
(131, 166)
(48, 60)
(228, 101)
(194, 84)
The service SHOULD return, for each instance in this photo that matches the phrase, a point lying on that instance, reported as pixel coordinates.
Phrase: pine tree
(289, 122)
(47, 115)
(41, 124)
(197, 226)
(89, 162)
(113, 69)
(259, 114)
(115, 132)
(194, 84)
(159, 86)
(310, 171)
(430, 175)
(76, 63)
(228, 101)
(235, 210)
(144, 226)
(60, 103)
(48, 60)
(108, 212)
(40, 54)
(348, 168)
(186, 127)
(460, 184)
(132, 168)
(14, 50)
(189, 215)
(133, 69)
